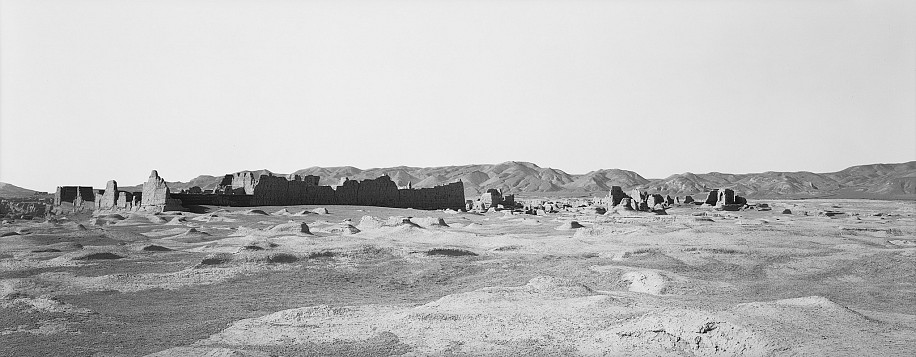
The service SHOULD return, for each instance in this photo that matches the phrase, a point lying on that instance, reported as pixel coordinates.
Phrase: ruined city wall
(190, 199)
(383, 192)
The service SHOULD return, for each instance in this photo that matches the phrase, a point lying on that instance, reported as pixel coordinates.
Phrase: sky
(98, 90)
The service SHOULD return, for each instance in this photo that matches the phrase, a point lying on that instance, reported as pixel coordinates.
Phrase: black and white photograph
(457, 178)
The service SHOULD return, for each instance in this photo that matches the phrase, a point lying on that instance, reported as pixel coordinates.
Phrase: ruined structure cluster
(248, 189)
(493, 198)
(155, 197)
(724, 199)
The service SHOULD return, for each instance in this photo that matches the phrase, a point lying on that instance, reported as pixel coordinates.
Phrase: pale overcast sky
(99, 90)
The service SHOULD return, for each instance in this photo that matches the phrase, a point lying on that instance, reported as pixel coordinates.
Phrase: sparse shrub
(282, 258)
(640, 251)
(321, 254)
(216, 259)
(451, 252)
(724, 251)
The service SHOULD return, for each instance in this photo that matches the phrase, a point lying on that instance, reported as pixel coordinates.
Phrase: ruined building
(265, 189)
(494, 198)
(154, 198)
(74, 198)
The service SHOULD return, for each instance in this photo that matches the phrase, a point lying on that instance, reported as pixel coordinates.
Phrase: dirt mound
(294, 228)
(320, 210)
(98, 256)
(557, 286)
(177, 221)
(155, 248)
(156, 219)
(282, 212)
(684, 332)
(369, 223)
(396, 221)
(254, 212)
(192, 235)
(645, 281)
(344, 229)
(431, 222)
(9, 234)
(569, 226)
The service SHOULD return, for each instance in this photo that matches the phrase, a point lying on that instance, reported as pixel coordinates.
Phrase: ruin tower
(109, 199)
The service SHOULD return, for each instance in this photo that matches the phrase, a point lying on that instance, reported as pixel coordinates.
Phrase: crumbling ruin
(265, 189)
(74, 198)
(722, 199)
(494, 198)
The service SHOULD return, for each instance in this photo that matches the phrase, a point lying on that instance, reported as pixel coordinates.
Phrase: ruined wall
(69, 194)
(616, 195)
(726, 197)
(712, 197)
(128, 200)
(109, 199)
(213, 199)
(279, 190)
(383, 192)
(439, 197)
(380, 191)
(348, 192)
(491, 198)
(155, 191)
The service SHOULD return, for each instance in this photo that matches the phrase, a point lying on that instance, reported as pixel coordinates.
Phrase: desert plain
(827, 277)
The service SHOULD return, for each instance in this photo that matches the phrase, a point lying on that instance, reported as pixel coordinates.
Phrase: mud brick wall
(155, 191)
(69, 194)
(348, 193)
(270, 191)
(712, 197)
(125, 199)
(213, 199)
(277, 191)
(439, 197)
(109, 199)
(380, 192)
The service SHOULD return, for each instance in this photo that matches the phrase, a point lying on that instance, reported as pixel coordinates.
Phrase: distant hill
(885, 181)
(864, 181)
(13, 191)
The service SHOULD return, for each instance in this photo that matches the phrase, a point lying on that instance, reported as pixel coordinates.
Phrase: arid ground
(833, 277)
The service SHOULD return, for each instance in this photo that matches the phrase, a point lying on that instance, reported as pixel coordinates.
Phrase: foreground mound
(553, 316)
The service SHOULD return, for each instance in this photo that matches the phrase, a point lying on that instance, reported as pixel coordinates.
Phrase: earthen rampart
(286, 190)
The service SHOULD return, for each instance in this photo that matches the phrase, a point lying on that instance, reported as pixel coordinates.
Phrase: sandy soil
(833, 277)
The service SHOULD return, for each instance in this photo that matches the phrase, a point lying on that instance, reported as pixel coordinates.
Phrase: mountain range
(12, 191)
(881, 181)
(525, 178)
